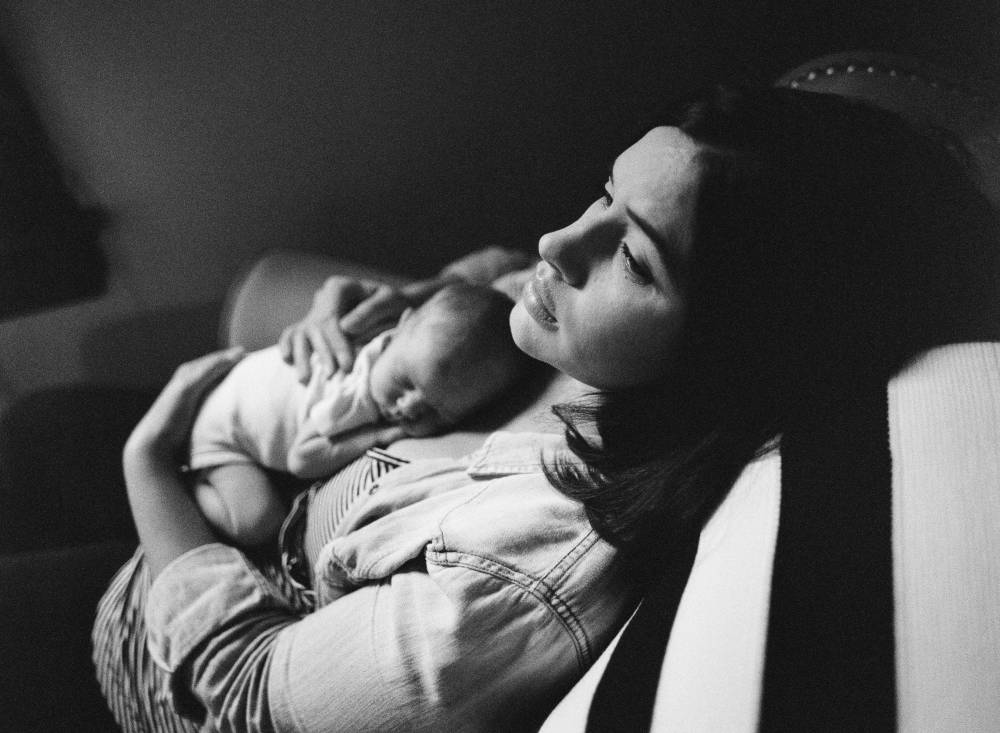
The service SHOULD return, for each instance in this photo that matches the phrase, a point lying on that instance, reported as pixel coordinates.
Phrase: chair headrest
(929, 98)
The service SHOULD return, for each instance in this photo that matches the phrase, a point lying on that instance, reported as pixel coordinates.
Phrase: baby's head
(449, 357)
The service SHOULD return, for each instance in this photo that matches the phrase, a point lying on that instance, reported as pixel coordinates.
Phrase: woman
(748, 266)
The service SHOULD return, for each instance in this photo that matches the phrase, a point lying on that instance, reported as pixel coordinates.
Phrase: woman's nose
(574, 250)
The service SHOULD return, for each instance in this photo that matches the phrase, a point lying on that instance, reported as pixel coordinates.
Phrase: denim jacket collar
(504, 454)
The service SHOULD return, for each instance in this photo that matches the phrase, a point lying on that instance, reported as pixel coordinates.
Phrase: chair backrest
(930, 98)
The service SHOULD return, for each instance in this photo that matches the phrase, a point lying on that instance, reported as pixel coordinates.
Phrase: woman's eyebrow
(673, 261)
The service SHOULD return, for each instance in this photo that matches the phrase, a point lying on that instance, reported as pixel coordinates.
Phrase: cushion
(930, 98)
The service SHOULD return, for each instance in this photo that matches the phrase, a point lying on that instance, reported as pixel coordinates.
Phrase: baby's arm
(314, 456)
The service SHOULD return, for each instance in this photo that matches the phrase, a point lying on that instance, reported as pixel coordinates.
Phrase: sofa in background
(64, 520)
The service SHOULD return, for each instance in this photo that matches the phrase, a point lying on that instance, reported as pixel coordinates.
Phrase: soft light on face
(607, 302)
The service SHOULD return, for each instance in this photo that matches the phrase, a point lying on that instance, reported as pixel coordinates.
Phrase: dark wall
(400, 133)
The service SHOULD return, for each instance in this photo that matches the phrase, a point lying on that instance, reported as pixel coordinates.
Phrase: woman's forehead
(657, 177)
(663, 154)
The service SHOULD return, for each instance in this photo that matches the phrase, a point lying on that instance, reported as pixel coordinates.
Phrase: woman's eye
(635, 269)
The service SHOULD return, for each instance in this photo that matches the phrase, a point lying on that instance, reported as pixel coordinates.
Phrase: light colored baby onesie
(260, 411)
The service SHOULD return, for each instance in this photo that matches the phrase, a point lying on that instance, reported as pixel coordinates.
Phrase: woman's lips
(538, 302)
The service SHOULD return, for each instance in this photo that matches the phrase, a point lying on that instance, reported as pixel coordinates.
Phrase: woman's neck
(536, 414)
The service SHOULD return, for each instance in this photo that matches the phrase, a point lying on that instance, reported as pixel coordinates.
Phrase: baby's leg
(240, 502)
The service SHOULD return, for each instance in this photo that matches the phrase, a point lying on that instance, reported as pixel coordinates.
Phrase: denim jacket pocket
(376, 550)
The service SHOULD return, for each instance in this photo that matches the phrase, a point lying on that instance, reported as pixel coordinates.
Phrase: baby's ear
(405, 316)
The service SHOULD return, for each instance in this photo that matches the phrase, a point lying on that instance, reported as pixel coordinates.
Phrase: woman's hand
(484, 266)
(162, 434)
(346, 312)
(166, 517)
(344, 308)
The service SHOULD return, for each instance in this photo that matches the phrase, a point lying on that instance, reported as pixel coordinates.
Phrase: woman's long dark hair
(831, 243)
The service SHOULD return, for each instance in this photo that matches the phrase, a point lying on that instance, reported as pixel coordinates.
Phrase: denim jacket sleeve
(480, 625)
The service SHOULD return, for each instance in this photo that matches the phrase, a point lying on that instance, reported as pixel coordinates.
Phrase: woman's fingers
(339, 349)
(301, 350)
(167, 423)
(194, 378)
(345, 311)
(285, 344)
(383, 305)
(323, 339)
(319, 348)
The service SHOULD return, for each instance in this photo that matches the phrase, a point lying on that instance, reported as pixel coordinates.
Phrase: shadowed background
(400, 133)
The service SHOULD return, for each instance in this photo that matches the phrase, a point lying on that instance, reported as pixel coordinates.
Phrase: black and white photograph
(499, 366)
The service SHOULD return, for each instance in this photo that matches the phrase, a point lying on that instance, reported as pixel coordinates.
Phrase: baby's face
(410, 390)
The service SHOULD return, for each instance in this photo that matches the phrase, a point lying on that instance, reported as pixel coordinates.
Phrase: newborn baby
(442, 362)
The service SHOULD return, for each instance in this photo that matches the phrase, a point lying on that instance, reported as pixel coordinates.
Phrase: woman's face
(607, 301)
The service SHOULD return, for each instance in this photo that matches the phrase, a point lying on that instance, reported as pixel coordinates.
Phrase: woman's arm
(241, 658)
(166, 517)
(414, 652)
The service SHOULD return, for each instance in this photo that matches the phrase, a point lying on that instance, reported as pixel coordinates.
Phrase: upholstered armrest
(277, 290)
(60, 466)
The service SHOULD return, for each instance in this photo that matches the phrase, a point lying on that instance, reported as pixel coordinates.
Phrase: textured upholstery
(930, 98)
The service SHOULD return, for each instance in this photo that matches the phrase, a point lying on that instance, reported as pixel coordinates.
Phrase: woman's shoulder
(517, 526)
(512, 515)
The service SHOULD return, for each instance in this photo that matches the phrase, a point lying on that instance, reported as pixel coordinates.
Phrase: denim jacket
(463, 595)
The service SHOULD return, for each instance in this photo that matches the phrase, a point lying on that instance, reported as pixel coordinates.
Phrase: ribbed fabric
(944, 435)
(945, 419)
(334, 499)
(830, 658)
(133, 686)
